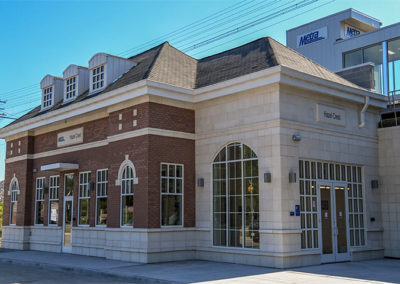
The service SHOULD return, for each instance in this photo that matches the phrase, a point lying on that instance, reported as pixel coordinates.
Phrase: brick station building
(254, 155)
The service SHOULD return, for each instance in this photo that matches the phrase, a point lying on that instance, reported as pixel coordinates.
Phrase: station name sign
(331, 115)
(313, 36)
(350, 31)
(70, 137)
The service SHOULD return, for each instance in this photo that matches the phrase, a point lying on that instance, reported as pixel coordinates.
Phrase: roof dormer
(52, 91)
(76, 81)
(104, 69)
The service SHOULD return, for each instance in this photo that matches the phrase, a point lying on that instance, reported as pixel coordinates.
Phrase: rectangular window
(394, 66)
(53, 199)
(308, 201)
(47, 97)
(84, 198)
(98, 78)
(356, 208)
(101, 197)
(70, 88)
(39, 204)
(171, 194)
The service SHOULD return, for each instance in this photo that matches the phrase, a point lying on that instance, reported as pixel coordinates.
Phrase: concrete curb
(61, 268)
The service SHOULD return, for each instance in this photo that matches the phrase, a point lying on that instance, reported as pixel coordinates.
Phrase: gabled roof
(168, 65)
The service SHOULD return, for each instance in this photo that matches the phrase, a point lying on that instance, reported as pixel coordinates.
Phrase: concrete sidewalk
(375, 271)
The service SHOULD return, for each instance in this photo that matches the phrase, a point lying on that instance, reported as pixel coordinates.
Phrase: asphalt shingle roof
(169, 65)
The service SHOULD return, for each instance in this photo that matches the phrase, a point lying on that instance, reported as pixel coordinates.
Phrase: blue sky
(44, 37)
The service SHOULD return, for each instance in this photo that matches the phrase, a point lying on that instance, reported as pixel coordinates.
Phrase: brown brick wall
(146, 152)
(177, 151)
(23, 172)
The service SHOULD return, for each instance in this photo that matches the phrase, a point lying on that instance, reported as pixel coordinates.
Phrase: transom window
(70, 88)
(14, 202)
(98, 78)
(54, 187)
(171, 194)
(47, 97)
(127, 197)
(101, 196)
(84, 198)
(39, 206)
(236, 197)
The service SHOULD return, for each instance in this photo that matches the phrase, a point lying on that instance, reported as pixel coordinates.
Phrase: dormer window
(104, 69)
(70, 88)
(47, 97)
(98, 78)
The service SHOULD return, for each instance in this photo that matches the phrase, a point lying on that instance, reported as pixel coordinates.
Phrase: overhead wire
(20, 101)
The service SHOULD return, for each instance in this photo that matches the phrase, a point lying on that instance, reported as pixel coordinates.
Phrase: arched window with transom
(236, 197)
(14, 190)
(127, 196)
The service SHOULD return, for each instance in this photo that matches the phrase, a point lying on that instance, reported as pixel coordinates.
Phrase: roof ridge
(233, 48)
(309, 60)
(153, 62)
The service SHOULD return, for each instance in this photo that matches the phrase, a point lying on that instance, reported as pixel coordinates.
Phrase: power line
(244, 26)
(289, 18)
(185, 28)
(252, 24)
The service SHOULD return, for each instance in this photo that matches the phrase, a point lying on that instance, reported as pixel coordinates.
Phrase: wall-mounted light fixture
(200, 182)
(292, 177)
(296, 137)
(374, 183)
(267, 177)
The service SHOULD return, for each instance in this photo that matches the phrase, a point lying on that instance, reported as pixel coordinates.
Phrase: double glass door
(333, 222)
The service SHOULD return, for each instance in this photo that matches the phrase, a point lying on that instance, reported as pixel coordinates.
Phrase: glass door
(68, 213)
(333, 222)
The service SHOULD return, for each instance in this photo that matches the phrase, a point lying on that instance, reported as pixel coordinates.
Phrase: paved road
(13, 273)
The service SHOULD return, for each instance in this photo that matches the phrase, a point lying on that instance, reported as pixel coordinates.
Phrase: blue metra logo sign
(312, 36)
(350, 32)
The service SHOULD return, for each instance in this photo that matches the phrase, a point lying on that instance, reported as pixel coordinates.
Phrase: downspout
(362, 113)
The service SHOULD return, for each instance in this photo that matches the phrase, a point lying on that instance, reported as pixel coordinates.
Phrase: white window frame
(101, 196)
(86, 187)
(174, 193)
(49, 102)
(127, 194)
(14, 191)
(39, 196)
(92, 77)
(54, 195)
(67, 88)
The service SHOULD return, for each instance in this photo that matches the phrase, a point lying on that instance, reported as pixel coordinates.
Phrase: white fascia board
(134, 90)
(242, 83)
(59, 167)
(333, 88)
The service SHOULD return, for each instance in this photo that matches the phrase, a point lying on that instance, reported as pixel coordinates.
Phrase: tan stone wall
(389, 188)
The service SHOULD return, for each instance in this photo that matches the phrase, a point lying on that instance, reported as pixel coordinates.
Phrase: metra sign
(351, 31)
(313, 36)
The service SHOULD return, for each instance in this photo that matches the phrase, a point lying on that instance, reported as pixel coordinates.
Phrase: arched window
(14, 190)
(127, 196)
(236, 197)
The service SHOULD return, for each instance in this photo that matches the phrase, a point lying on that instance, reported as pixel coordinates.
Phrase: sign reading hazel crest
(70, 137)
(331, 115)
